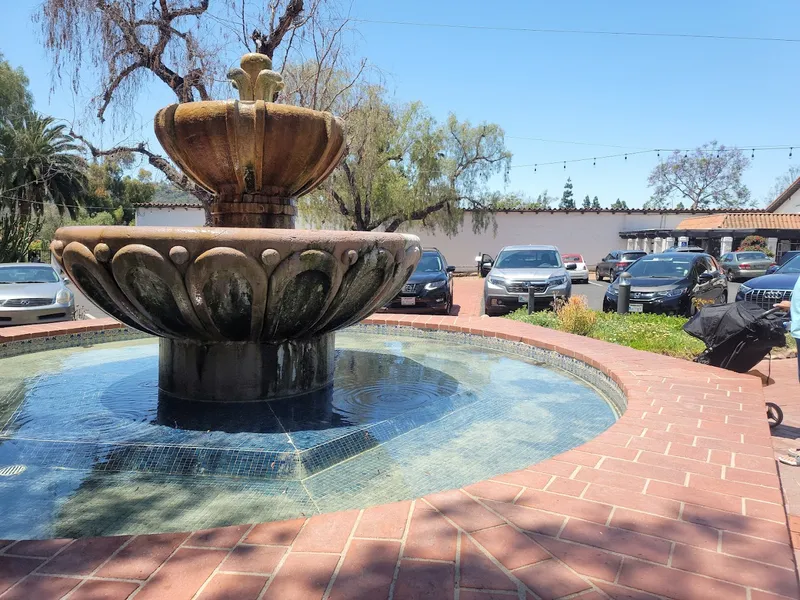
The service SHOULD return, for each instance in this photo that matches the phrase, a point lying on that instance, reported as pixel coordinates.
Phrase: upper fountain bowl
(254, 155)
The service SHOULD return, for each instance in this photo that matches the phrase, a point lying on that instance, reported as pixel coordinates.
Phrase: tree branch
(268, 44)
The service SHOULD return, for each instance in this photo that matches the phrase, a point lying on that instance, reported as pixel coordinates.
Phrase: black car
(771, 288)
(615, 262)
(669, 282)
(430, 285)
(696, 249)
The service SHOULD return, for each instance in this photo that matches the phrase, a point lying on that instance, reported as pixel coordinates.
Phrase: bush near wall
(660, 334)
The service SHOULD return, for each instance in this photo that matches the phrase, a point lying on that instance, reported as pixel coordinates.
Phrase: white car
(580, 274)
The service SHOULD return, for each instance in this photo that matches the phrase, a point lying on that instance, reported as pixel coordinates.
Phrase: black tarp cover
(719, 323)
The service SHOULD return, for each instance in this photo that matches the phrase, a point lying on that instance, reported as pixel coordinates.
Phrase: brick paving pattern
(679, 499)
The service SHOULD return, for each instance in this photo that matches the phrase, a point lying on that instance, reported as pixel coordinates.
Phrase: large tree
(619, 205)
(587, 203)
(782, 182)
(596, 203)
(401, 165)
(118, 47)
(567, 199)
(708, 177)
(15, 99)
(40, 164)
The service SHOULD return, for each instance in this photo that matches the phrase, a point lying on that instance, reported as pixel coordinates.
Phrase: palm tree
(39, 164)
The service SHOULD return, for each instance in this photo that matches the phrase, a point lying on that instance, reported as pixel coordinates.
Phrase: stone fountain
(246, 309)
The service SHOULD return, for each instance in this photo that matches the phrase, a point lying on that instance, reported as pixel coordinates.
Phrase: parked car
(33, 293)
(771, 289)
(668, 283)
(785, 257)
(580, 274)
(519, 269)
(696, 249)
(430, 285)
(615, 262)
(745, 265)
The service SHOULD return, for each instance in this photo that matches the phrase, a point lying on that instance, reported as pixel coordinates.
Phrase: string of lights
(650, 34)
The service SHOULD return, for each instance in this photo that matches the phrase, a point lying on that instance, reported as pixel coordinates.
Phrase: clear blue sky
(634, 92)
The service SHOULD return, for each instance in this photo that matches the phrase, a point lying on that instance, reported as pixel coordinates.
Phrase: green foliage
(660, 334)
(755, 243)
(111, 190)
(619, 205)
(567, 199)
(17, 234)
(15, 99)
(587, 203)
(596, 203)
(168, 193)
(402, 165)
(680, 206)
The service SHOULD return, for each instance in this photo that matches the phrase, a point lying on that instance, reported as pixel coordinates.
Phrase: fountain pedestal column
(245, 371)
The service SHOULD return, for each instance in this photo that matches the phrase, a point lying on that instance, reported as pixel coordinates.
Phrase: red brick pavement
(679, 499)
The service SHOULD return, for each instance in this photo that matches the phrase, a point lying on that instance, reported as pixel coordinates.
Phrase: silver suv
(520, 268)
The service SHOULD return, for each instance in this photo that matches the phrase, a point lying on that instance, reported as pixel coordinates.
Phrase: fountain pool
(88, 445)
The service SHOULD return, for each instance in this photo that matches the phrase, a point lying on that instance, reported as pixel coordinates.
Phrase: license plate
(523, 299)
(637, 308)
(408, 301)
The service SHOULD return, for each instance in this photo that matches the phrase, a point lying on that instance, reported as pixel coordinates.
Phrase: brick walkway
(679, 499)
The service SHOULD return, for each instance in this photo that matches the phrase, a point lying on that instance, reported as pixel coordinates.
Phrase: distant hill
(167, 193)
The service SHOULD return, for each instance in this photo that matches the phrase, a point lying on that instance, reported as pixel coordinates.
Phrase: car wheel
(597, 276)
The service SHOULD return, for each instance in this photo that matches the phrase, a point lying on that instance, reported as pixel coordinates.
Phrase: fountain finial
(255, 79)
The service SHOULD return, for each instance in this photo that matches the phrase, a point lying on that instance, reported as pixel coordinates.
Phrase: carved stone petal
(302, 288)
(229, 290)
(96, 283)
(155, 287)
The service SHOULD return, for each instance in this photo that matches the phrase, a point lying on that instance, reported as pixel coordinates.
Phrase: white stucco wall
(591, 234)
(170, 217)
(792, 205)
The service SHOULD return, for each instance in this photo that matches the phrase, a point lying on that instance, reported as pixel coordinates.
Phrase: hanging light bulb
(535, 168)
(626, 157)
(565, 165)
(790, 152)
(753, 153)
(594, 162)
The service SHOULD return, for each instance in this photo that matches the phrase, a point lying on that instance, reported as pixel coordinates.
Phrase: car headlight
(611, 291)
(63, 297)
(556, 281)
(671, 293)
(745, 288)
(497, 281)
(435, 284)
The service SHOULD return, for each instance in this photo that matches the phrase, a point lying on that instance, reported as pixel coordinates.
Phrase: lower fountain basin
(209, 284)
(88, 445)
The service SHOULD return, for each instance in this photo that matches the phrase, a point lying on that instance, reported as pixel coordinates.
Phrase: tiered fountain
(245, 309)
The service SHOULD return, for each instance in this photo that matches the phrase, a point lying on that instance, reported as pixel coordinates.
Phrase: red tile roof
(741, 220)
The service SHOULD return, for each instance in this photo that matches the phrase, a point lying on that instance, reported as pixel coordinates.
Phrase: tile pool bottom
(87, 447)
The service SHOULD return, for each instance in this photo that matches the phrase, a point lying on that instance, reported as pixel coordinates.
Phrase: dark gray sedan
(745, 265)
(33, 293)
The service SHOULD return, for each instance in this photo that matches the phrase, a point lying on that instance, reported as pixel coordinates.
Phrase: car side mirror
(571, 266)
(67, 281)
(772, 269)
(451, 269)
(705, 277)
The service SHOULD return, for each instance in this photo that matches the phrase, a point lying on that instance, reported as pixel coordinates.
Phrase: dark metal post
(624, 294)
(531, 302)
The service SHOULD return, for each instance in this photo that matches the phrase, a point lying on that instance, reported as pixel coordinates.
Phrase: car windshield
(751, 256)
(576, 258)
(790, 266)
(528, 259)
(28, 274)
(633, 255)
(429, 263)
(661, 267)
